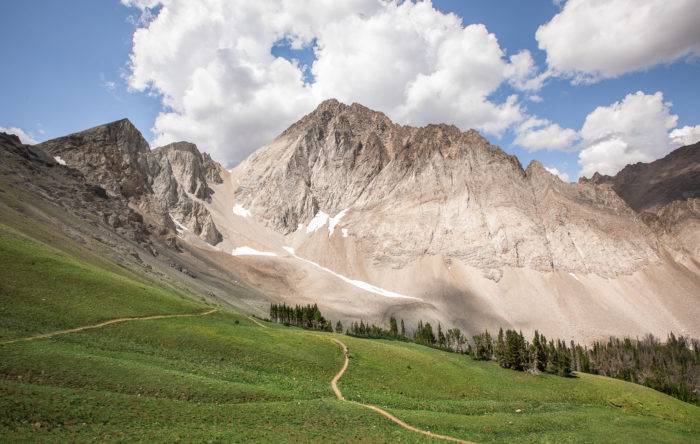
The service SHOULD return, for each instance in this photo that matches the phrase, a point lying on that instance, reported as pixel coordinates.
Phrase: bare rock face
(112, 155)
(187, 166)
(405, 193)
(168, 185)
(666, 194)
(33, 170)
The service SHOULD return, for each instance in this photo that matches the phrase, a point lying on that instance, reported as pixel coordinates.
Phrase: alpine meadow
(361, 221)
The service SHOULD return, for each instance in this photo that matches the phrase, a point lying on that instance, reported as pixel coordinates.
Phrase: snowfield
(239, 210)
(321, 218)
(354, 282)
(247, 251)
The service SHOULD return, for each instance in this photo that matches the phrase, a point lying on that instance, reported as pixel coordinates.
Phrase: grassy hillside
(223, 377)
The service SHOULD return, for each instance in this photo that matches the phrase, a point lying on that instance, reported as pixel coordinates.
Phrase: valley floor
(227, 377)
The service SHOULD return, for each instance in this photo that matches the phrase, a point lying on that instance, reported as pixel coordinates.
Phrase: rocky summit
(167, 185)
(371, 219)
(407, 193)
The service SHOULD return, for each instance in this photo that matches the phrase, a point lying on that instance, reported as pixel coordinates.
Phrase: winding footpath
(255, 321)
(104, 324)
(339, 395)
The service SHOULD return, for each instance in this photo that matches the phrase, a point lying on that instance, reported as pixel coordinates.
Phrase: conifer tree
(500, 351)
(393, 328)
(441, 340)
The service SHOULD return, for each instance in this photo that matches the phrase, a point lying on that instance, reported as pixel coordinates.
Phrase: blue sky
(66, 69)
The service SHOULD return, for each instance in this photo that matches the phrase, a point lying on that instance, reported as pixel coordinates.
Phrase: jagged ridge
(166, 183)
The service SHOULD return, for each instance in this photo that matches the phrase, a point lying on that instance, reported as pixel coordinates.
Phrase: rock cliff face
(168, 185)
(666, 194)
(112, 155)
(30, 168)
(404, 193)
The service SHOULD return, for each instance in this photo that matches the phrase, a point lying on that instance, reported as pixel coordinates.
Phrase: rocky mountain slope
(41, 195)
(372, 219)
(666, 194)
(168, 185)
(406, 193)
(444, 216)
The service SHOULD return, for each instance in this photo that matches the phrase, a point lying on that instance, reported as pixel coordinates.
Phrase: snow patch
(321, 218)
(354, 282)
(59, 160)
(574, 276)
(239, 210)
(179, 227)
(247, 251)
(345, 232)
(317, 222)
(333, 221)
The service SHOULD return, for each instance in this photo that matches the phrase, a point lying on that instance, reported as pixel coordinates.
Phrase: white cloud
(141, 4)
(24, 136)
(687, 135)
(523, 74)
(561, 174)
(593, 39)
(536, 134)
(633, 130)
(210, 61)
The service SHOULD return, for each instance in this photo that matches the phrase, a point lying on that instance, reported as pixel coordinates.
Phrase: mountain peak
(109, 154)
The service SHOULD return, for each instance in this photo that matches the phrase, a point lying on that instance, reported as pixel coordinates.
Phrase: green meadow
(222, 377)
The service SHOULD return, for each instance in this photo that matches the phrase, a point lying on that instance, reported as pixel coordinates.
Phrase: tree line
(451, 340)
(672, 367)
(307, 316)
(511, 350)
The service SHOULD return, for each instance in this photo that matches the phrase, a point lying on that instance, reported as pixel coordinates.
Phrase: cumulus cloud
(210, 62)
(561, 174)
(523, 73)
(635, 129)
(593, 39)
(687, 135)
(537, 134)
(24, 136)
(141, 4)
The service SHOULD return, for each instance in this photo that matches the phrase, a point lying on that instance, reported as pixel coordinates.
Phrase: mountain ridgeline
(167, 185)
(374, 220)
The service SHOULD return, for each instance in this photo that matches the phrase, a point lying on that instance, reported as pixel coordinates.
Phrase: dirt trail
(339, 395)
(252, 318)
(104, 324)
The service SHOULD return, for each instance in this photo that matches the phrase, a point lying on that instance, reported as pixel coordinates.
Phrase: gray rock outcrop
(167, 185)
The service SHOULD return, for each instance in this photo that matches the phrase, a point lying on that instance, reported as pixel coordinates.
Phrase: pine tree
(338, 327)
(500, 351)
(393, 328)
(403, 329)
(441, 340)
(429, 336)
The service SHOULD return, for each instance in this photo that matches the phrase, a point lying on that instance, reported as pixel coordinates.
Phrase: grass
(45, 289)
(457, 396)
(222, 378)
